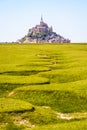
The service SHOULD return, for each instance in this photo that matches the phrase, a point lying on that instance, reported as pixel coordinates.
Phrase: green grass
(39, 83)
(23, 79)
(59, 100)
(13, 105)
(76, 125)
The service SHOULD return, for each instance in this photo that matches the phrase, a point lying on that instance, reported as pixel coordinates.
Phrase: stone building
(42, 33)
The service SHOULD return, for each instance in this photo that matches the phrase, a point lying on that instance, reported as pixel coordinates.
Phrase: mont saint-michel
(42, 33)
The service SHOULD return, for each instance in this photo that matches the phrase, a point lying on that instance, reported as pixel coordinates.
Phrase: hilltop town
(42, 33)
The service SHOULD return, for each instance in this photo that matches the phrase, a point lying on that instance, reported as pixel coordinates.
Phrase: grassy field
(43, 87)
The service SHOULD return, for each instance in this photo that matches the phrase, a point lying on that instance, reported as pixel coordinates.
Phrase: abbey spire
(41, 18)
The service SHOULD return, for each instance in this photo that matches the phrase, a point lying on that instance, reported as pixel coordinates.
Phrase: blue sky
(68, 18)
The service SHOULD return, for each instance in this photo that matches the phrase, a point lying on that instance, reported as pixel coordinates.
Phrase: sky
(67, 17)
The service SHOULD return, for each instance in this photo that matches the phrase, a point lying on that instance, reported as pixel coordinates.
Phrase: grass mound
(66, 75)
(58, 100)
(13, 105)
(23, 79)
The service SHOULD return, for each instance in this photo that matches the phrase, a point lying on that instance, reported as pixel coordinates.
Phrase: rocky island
(42, 33)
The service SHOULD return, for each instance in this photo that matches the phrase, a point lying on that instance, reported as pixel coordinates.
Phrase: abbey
(41, 28)
(42, 33)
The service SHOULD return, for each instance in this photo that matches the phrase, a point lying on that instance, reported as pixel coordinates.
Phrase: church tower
(41, 18)
(41, 21)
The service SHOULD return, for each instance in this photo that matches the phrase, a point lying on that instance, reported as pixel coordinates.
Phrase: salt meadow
(43, 86)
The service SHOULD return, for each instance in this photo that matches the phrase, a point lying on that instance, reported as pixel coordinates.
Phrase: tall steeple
(41, 18)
